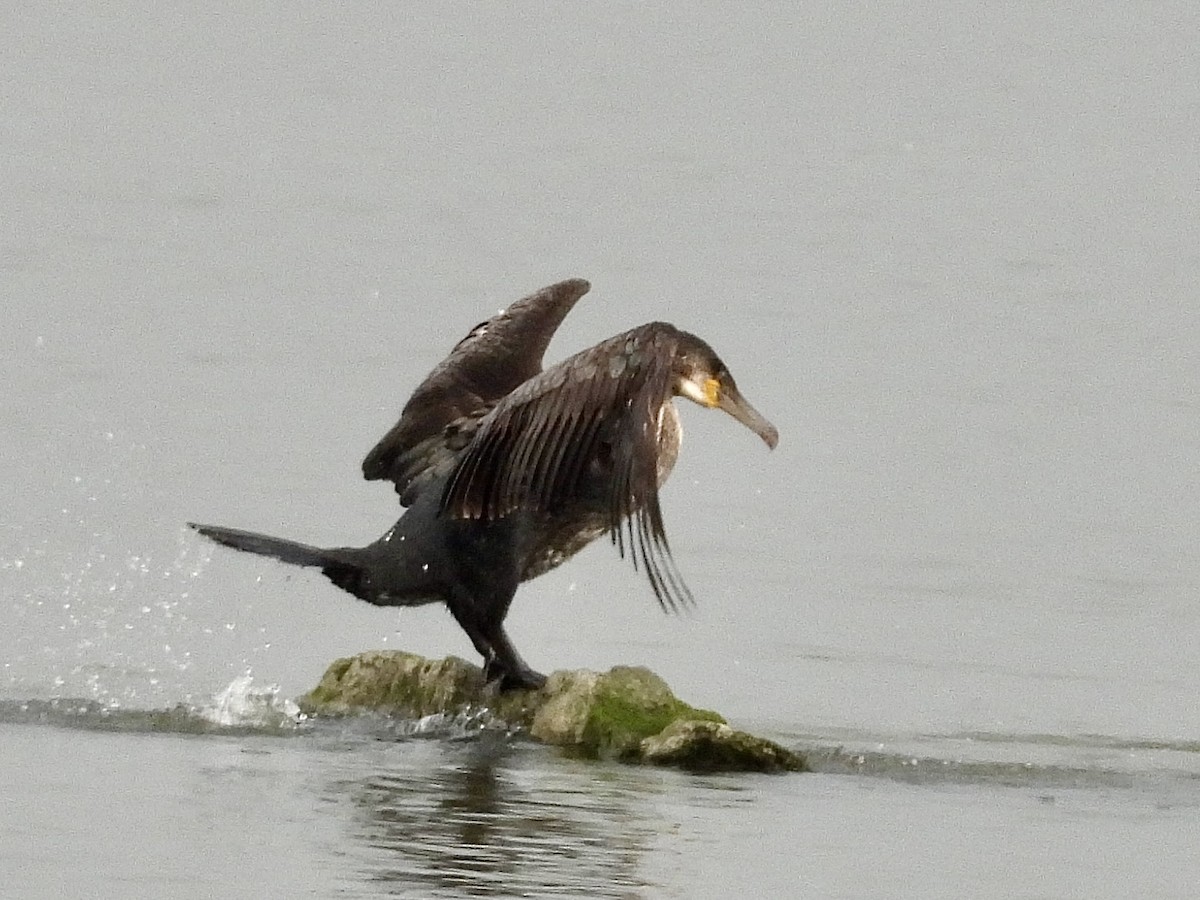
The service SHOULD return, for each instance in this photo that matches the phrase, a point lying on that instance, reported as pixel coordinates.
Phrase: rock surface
(715, 747)
(627, 713)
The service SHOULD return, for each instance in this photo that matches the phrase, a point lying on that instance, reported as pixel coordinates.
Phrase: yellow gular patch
(712, 391)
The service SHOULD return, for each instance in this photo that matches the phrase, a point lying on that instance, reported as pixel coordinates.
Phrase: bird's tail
(342, 566)
(288, 551)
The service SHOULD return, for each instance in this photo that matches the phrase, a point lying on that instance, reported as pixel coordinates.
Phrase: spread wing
(441, 417)
(582, 436)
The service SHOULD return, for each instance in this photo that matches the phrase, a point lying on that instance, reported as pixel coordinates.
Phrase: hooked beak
(732, 402)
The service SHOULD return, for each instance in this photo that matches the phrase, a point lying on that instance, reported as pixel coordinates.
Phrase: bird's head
(702, 378)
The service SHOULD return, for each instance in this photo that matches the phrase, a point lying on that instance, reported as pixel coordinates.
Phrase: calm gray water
(950, 250)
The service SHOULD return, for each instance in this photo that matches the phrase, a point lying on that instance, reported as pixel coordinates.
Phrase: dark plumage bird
(507, 470)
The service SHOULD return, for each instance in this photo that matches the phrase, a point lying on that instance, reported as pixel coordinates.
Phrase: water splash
(462, 725)
(242, 705)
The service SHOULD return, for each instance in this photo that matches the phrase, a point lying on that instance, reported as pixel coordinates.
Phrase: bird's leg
(481, 614)
(516, 673)
(469, 623)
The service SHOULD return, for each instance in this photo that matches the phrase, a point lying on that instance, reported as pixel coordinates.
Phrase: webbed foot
(524, 680)
(518, 679)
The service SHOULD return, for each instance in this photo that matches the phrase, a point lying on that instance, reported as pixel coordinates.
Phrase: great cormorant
(507, 470)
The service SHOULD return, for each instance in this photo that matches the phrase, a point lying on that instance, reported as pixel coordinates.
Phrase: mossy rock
(609, 714)
(627, 713)
(394, 683)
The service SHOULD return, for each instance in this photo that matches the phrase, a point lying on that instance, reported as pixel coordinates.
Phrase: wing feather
(484, 367)
(590, 421)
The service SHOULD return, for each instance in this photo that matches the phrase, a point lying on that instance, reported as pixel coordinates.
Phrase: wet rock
(395, 683)
(715, 747)
(608, 714)
(627, 713)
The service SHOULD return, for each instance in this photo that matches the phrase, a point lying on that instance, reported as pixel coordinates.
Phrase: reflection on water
(335, 811)
(478, 820)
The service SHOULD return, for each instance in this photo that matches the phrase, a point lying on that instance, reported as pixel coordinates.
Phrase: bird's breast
(670, 436)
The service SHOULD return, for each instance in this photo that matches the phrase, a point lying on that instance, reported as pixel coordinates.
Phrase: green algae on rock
(394, 683)
(627, 713)
(608, 714)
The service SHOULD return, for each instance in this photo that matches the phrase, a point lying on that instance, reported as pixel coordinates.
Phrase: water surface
(950, 251)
